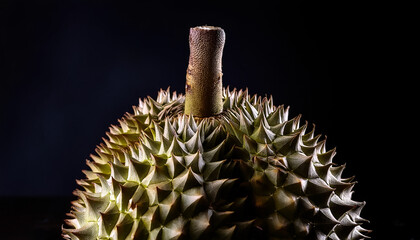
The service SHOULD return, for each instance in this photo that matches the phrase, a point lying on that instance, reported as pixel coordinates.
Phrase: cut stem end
(203, 89)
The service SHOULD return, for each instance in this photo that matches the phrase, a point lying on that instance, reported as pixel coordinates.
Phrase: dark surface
(69, 69)
(32, 218)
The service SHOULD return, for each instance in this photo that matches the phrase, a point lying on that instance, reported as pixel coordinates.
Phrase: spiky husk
(249, 173)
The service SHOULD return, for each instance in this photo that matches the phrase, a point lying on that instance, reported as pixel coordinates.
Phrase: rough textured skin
(203, 90)
(249, 173)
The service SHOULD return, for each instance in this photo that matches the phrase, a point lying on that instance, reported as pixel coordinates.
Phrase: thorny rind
(248, 173)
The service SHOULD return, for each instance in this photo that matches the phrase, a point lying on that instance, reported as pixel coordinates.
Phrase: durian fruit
(213, 164)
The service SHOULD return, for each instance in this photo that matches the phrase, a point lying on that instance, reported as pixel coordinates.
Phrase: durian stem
(203, 89)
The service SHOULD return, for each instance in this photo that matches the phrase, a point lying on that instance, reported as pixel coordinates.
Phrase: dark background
(69, 69)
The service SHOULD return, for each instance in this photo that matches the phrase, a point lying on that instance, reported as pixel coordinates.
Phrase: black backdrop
(69, 69)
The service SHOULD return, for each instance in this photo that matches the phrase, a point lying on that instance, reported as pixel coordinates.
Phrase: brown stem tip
(203, 89)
